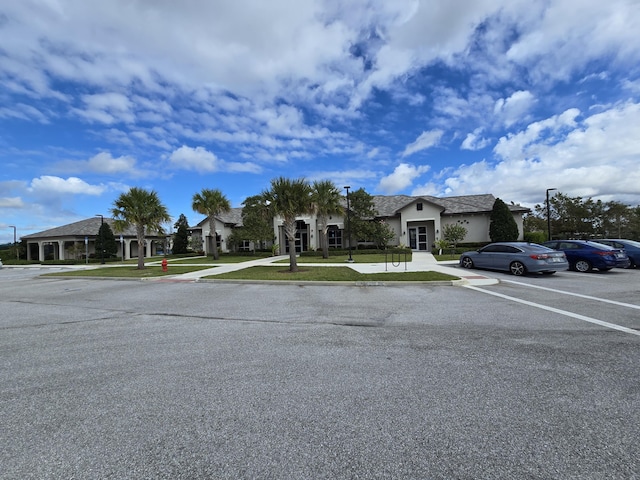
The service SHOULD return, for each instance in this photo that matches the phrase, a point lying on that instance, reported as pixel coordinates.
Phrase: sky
(413, 97)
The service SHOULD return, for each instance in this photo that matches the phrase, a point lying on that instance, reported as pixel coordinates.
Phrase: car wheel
(582, 266)
(467, 262)
(517, 268)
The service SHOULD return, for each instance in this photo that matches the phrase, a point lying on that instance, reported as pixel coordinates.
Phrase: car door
(484, 259)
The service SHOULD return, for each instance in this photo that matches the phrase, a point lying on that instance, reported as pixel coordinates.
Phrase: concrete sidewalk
(421, 262)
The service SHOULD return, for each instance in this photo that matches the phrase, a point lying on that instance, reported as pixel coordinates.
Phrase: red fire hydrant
(164, 264)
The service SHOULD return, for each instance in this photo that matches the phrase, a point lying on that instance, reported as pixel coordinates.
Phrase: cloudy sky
(413, 97)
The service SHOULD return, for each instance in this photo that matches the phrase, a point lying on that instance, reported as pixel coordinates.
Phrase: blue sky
(410, 97)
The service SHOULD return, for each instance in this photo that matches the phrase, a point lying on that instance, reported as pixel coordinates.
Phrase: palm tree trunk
(293, 263)
(325, 243)
(140, 237)
(214, 237)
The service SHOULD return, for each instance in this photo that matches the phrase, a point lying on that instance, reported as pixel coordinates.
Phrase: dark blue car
(630, 247)
(584, 255)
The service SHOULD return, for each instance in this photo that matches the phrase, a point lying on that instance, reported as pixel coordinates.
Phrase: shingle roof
(232, 217)
(83, 228)
(388, 206)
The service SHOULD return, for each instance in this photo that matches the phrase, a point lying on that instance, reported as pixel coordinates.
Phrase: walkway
(421, 262)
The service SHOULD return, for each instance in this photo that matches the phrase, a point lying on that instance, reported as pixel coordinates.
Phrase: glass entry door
(418, 238)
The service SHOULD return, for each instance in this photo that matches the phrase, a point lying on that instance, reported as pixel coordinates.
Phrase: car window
(569, 246)
(491, 248)
(510, 249)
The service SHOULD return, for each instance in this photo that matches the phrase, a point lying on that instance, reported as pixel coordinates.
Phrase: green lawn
(129, 272)
(359, 258)
(329, 274)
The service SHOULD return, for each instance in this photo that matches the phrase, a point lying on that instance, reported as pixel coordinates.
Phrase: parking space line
(588, 297)
(557, 310)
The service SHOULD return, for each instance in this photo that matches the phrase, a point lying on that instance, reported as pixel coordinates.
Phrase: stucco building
(416, 220)
(77, 240)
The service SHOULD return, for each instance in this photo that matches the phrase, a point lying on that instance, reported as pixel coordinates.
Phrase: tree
(382, 233)
(257, 222)
(502, 225)
(106, 242)
(142, 209)
(211, 203)
(363, 211)
(289, 199)
(453, 233)
(327, 201)
(181, 237)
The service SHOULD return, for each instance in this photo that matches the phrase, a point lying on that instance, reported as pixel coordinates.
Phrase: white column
(40, 251)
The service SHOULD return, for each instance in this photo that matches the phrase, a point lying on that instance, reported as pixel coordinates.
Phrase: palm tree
(326, 201)
(289, 199)
(211, 203)
(143, 209)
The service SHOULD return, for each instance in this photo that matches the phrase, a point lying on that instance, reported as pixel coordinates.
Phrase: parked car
(516, 257)
(585, 255)
(0, 263)
(630, 247)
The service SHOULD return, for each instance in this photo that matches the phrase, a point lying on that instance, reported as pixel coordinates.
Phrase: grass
(329, 274)
(128, 272)
(359, 258)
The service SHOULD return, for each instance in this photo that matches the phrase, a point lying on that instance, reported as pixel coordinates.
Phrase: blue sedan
(630, 247)
(515, 257)
(584, 255)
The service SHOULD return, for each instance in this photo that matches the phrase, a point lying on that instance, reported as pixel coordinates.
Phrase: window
(419, 206)
(334, 237)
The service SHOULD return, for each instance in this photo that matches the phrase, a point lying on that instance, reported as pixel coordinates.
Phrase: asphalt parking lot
(535, 377)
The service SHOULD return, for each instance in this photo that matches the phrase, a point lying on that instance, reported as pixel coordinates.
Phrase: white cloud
(475, 140)
(204, 161)
(11, 202)
(198, 159)
(102, 163)
(514, 108)
(48, 185)
(106, 108)
(426, 140)
(593, 157)
(402, 177)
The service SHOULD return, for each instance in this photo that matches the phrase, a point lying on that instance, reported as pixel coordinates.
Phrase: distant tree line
(583, 218)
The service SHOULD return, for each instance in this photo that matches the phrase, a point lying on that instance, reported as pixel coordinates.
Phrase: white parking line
(558, 311)
(621, 304)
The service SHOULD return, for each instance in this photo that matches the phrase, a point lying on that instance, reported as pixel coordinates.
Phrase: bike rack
(395, 263)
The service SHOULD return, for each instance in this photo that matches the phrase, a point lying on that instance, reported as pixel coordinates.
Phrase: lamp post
(549, 214)
(347, 187)
(101, 238)
(15, 243)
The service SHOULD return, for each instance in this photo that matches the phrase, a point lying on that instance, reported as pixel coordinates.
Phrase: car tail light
(603, 253)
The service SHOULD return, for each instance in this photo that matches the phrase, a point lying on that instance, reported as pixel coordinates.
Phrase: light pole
(549, 214)
(347, 187)
(101, 238)
(14, 242)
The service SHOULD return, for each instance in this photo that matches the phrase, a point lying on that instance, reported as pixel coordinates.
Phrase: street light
(549, 214)
(15, 243)
(101, 238)
(347, 187)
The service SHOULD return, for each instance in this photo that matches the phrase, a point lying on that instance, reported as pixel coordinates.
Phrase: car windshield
(632, 243)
